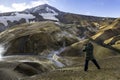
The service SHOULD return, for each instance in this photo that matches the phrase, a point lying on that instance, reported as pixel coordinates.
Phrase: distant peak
(41, 9)
(44, 5)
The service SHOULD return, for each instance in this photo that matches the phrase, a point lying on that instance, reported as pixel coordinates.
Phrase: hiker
(89, 56)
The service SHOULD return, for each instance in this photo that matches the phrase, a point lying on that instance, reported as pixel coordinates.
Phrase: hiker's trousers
(86, 64)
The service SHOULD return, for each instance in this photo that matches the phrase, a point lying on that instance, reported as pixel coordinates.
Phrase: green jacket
(89, 51)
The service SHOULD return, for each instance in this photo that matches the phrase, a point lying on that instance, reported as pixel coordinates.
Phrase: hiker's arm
(84, 49)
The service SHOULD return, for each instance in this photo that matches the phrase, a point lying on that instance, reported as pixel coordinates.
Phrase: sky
(103, 8)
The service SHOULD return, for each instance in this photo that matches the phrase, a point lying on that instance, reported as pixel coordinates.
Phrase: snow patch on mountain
(50, 14)
(15, 17)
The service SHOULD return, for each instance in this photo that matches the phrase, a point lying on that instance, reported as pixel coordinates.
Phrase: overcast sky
(106, 8)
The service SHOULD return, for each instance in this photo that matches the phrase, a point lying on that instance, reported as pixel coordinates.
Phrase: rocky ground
(110, 70)
(36, 68)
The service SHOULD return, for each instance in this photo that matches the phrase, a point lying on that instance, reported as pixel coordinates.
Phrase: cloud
(23, 6)
(88, 13)
(5, 9)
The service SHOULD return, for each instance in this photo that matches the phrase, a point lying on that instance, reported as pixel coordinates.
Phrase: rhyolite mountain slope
(36, 38)
(109, 35)
(44, 38)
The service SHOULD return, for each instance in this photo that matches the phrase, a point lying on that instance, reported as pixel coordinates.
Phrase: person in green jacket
(89, 56)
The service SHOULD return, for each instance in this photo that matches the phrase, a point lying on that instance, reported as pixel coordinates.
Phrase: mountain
(46, 12)
(42, 9)
(39, 13)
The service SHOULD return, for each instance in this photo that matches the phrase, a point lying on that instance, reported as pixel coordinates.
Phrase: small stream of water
(53, 57)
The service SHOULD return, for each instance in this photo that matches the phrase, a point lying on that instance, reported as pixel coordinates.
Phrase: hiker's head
(88, 43)
(85, 42)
